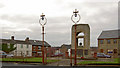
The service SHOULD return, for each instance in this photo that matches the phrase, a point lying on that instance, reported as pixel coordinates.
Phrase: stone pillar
(81, 28)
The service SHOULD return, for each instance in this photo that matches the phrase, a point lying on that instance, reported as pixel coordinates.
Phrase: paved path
(62, 62)
(66, 62)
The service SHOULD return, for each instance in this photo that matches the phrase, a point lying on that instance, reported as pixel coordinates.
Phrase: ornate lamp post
(42, 22)
(75, 15)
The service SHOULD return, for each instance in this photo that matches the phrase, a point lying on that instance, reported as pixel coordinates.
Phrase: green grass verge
(27, 59)
(116, 60)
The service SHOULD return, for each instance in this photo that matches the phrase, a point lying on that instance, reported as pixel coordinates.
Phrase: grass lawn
(116, 60)
(27, 59)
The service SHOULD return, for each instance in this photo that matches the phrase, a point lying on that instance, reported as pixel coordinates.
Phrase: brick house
(64, 49)
(37, 47)
(108, 43)
(54, 51)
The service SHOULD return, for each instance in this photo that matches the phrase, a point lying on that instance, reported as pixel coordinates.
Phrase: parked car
(102, 55)
(3, 54)
(9, 55)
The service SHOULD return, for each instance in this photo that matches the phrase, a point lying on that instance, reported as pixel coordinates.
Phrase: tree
(8, 48)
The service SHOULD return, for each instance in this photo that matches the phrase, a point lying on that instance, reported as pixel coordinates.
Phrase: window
(114, 41)
(39, 53)
(21, 53)
(86, 52)
(115, 50)
(34, 54)
(46, 48)
(34, 47)
(21, 45)
(27, 46)
(27, 52)
(39, 47)
(101, 41)
(108, 41)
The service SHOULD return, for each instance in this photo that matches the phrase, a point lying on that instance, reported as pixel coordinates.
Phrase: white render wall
(24, 50)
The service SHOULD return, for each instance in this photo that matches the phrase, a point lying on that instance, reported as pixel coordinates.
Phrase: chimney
(27, 39)
(12, 37)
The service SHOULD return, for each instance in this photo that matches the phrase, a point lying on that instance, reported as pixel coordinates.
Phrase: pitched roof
(13, 41)
(32, 42)
(37, 42)
(21, 42)
(7, 41)
(110, 34)
(67, 46)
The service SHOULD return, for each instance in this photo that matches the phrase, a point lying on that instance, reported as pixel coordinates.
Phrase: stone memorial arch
(82, 40)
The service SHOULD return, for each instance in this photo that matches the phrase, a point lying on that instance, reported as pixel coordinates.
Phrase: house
(37, 47)
(64, 49)
(27, 48)
(55, 51)
(108, 42)
(23, 48)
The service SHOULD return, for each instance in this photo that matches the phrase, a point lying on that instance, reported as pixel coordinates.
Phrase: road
(18, 64)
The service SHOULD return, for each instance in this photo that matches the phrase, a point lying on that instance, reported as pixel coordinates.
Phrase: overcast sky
(21, 18)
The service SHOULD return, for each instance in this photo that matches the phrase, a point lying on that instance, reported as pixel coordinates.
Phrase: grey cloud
(24, 19)
(58, 29)
(53, 31)
(2, 5)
